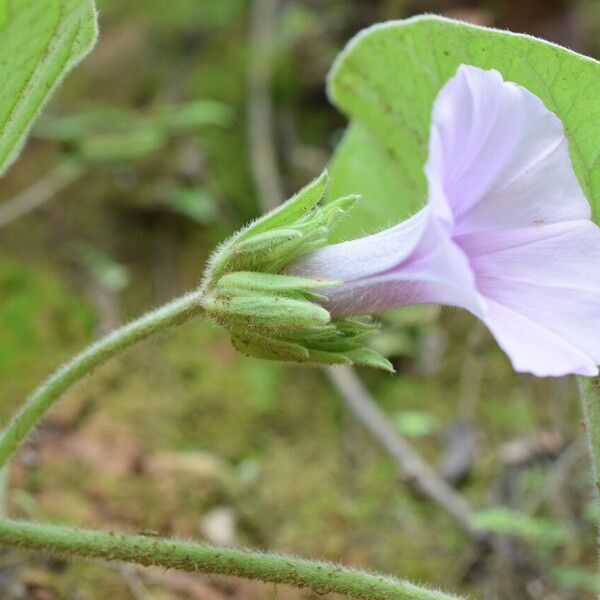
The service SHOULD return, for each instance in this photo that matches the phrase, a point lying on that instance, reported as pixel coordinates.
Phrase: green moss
(42, 322)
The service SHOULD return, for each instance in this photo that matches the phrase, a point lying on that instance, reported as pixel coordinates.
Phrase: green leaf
(362, 165)
(40, 41)
(122, 147)
(416, 423)
(387, 79)
(73, 126)
(169, 119)
(192, 115)
(572, 576)
(196, 203)
(504, 520)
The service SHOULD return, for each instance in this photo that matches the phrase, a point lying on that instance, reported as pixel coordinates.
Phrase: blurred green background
(147, 157)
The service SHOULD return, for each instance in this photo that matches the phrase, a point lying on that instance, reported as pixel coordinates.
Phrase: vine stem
(318, 576)
(173, 313)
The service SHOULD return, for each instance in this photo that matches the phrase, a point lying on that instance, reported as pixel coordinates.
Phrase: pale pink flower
(506, 233)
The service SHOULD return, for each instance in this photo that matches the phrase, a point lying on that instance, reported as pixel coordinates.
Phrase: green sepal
(266, 241)
(266, 282)
(269, 348)
(278, 238)
(314, 334)
(357, 327)
(320, 357)
(295, 208)
(266, 311)
(275, 316)
(313, 296)
(368, 357)
(337, 208)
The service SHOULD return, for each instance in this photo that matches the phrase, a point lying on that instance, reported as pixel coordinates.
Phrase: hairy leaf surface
(40, 41)
(387, 79)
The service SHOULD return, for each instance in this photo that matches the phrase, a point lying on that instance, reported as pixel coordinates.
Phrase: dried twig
(554, 485)
(193, 586)
(134, 582)
(417, 470)
(261, 135)
(40, 192)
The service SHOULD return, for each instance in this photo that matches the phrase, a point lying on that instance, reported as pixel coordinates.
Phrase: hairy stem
(318, 576)
(173, 313)
(589, 389)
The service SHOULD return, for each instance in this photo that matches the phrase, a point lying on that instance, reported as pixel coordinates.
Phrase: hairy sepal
(274, 316)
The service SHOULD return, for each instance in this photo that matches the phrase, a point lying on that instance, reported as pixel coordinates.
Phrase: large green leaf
(40, 41)
(387, 79)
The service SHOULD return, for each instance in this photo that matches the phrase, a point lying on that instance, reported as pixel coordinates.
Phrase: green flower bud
(275, 316)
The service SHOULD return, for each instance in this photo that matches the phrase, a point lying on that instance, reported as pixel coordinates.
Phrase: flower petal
(365, 256)
(413, 263)
(532, 348)
(542, 284)
(498, 158)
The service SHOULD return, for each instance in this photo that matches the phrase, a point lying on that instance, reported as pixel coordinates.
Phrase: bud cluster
(275, 316)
